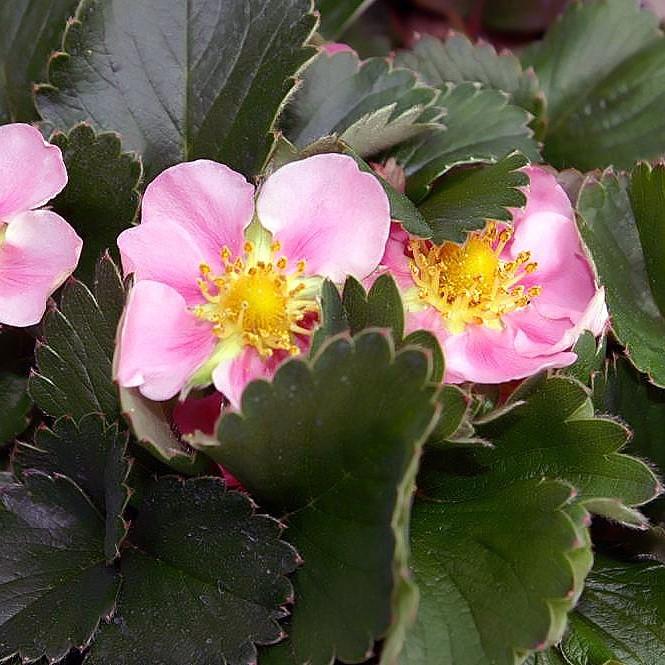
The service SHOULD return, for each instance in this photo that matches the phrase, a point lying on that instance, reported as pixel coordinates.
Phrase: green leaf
(32, 29)
(458, 60)
(480, 126)
(91, 454)
(590, 358)
(620, 619)
(206, 582)
(180, 80)
(497, 573)
(628, 269)
(371, 105)
(337, 15)
(101, 198)
(551, 431)
(426, 340)
(55, 585)
(640, 404)
(333, 445)
(333, 317)
(15, 406)
(150, 423)
(467, 199)
(602, 68)
(73, 376)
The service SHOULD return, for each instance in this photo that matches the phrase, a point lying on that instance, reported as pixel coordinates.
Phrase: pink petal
(212, 203)
(544, 194)
(31, 171)
(232, 376)
(167, 253)
(395, 260)
(482, 355)
(325, 210)
(39, 251)
(161, 342)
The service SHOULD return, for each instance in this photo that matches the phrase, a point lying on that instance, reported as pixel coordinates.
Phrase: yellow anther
(470, 283)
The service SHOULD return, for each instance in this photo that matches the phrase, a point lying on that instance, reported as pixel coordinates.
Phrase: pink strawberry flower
(38, 249)
(508, 302)
(226, 289)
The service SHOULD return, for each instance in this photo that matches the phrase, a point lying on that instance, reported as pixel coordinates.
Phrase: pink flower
(38, 249)
(506, 303)
(225, 290)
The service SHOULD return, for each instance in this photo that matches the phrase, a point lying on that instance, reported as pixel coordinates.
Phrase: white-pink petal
(325, 210)
(31, 171)
(210, 201)
(37, 254)
(232, 375)
(165, 252)
(161, 342)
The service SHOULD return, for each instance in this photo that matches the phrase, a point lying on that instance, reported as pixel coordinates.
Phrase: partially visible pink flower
(506, 303)
(38, 249)
(337, 47)
(226, 290)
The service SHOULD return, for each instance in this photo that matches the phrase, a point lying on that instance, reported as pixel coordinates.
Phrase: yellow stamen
(469, 283)
(256, 299)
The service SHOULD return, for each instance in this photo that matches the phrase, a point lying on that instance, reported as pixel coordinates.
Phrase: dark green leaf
(551, 431)
(371, 105)
(73, 376)
(334, 446)
(629, 270)
(426, 340)
(602, 68)
(55, 585)
(91, 454)
(621, 617)
(31, 30)
(590, 358)
(647, 199)
(496, 572)
(15, 406)
(101, 198)
(467, 199)
(333, 316)
(453, 425)
(458, 60)
(481, 126)
(180, 80)
(206, 582)
(336, 15)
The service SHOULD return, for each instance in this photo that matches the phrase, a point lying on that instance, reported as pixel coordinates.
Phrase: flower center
(469, 284)
(257, 300)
